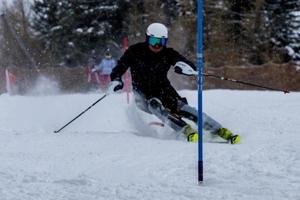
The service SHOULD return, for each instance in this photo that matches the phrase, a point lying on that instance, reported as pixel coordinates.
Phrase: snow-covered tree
(73, 29)
(227, 31)
(283, 21)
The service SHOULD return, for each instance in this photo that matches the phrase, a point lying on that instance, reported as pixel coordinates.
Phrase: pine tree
(292, 30)
(239, 18)
(73, 29)
(283, 21)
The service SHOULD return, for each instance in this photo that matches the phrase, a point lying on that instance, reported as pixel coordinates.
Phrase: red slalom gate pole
(127, 79)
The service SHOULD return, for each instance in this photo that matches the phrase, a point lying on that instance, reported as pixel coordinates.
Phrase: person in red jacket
(149, 63)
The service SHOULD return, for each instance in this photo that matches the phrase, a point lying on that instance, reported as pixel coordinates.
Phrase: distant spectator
(104, 69)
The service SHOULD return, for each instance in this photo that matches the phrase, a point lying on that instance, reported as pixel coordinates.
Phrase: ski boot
(227, 135)
(191, 134)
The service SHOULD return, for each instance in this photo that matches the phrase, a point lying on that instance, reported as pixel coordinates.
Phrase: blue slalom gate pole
(200, 65)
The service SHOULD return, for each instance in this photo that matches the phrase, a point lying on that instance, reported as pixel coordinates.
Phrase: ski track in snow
(102, 155)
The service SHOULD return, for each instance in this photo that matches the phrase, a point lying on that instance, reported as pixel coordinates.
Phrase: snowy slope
(102, 155)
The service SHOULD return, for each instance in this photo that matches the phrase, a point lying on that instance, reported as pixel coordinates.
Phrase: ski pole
(80, 114)
(243, 82)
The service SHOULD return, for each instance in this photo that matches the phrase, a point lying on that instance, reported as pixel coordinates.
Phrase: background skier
(149, 63)
(104, 68)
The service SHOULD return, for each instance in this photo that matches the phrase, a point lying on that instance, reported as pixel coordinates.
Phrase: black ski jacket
(149, 70)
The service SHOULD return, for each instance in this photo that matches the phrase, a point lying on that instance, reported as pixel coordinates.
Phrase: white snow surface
(103, 156)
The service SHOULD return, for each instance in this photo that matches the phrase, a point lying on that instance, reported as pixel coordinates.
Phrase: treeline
(58, 33)
(251, 32)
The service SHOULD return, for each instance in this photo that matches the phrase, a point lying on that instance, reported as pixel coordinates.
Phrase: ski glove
(183, 68)
(114, 86)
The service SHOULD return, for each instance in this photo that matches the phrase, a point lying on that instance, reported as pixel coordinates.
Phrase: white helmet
(157, 30)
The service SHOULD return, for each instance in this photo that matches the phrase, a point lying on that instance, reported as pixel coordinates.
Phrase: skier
(149, 63)
(104, 68)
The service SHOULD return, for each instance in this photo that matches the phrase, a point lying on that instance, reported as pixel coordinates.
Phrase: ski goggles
(154, 41)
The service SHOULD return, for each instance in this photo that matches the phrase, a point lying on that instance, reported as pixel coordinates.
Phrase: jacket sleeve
(97, 67)
(176, 57)
(122, 65)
